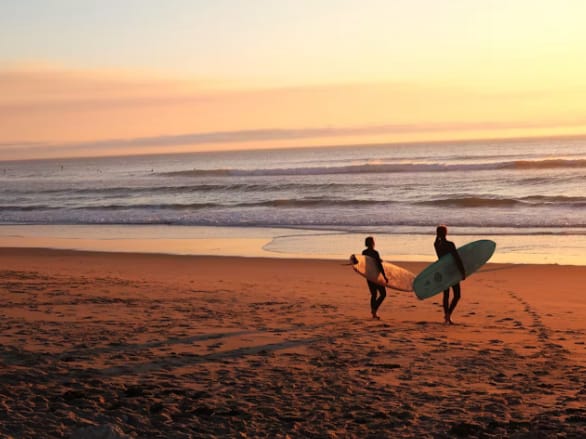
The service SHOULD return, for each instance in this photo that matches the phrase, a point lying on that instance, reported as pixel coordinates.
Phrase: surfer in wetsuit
(443, 247)
(375, 289)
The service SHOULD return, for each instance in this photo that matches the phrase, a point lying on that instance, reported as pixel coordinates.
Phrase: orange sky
(304, 73)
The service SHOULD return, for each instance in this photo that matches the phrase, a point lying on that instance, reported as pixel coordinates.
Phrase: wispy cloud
(265, 135)
(170, 143)
(64, 90)
(55, 113)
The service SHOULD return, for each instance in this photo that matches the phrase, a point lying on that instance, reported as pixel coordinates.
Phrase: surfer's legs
(375, 302)
(373, 293)
(456, 299)
(446, 304)
(449, 310)
(382, 294)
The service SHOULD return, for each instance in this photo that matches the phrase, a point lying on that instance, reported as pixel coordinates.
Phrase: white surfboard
(399, 278)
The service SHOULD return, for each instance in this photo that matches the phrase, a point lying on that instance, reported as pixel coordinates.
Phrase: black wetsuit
(444, 247)
(375, 301)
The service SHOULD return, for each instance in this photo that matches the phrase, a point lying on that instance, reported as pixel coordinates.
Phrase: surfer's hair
(441, 231)
(369, 241)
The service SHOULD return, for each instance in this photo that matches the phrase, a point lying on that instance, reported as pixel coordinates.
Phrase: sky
(108, 77)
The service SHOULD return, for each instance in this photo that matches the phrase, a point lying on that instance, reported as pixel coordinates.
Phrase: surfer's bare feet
(375, 316)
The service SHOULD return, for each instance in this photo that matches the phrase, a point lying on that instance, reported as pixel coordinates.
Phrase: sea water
(526, 194)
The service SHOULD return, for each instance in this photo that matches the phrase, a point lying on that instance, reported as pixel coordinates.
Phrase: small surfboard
(399, 278)
(444, 273)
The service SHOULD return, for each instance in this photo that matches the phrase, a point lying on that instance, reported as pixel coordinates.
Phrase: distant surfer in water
(375, 289)
(443, 247)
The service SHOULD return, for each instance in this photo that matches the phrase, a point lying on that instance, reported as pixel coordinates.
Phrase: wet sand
(112, 345)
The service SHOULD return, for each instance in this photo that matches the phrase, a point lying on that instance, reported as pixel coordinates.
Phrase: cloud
(264, 135)
(58, 113)
(169, 143)
(206, 138)
(69, 90)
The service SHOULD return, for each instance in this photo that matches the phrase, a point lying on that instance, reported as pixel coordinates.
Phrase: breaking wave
(385, 168)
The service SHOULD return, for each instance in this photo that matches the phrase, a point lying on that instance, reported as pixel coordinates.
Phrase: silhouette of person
(443, 247)
(377, 292)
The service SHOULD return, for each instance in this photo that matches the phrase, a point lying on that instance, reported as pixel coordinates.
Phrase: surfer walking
(377, 292)
(443, 247)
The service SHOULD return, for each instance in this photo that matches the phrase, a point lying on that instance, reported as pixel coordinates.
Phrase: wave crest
(531, 201)
(387, 168)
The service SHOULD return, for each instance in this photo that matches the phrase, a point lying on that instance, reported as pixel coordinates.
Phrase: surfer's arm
(385, 276)
(382, 271)
(379, 262)
(457, 259)
(459, 263)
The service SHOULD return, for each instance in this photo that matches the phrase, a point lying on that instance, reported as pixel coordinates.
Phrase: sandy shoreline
(402, 245)
(137, 345)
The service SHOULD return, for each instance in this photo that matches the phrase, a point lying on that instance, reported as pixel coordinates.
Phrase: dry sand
(98, 345)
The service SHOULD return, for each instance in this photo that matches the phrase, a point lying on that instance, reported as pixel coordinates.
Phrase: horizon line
(315, 146)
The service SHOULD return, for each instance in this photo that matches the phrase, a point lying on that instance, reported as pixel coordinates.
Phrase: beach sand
(111, 345)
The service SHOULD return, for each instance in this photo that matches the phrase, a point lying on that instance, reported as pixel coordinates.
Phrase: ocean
(318, 202)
